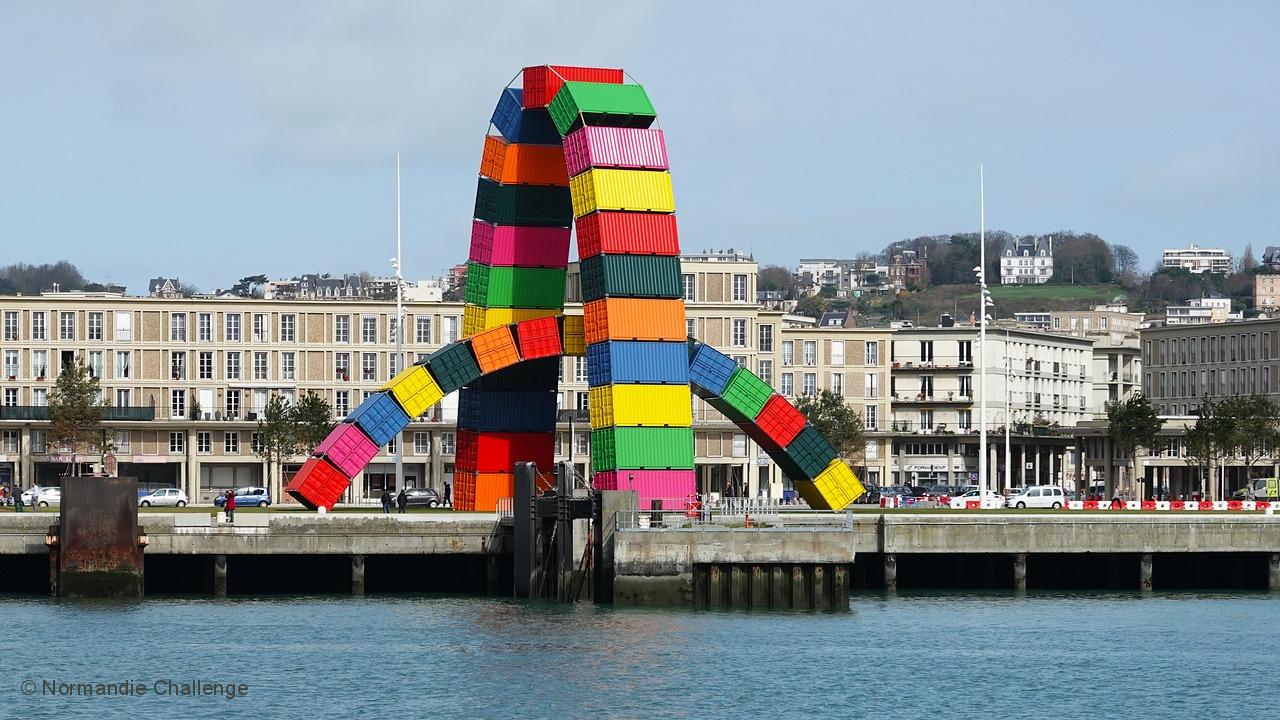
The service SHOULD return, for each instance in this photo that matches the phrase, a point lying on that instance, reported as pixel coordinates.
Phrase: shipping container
(348, 448)
(506, 286)
(476, 319)
(453, 366)
(636, 361)
(634, 319)
(539, 205)
(498, 245)
(675, 488)
(380, 417)
(837, 486)
(643, 448)
(507, 411)
(654, 276)
(539, 338)
(745, 394)
(587, 103)
(542, 82)
(627, 233)
(631, 190)
(415, 390)
(517, 164)
(809, 454)
(540, 374)
(641, 406)
(481, 492)
(518, 125)
(495, 349)
(709, 371)
(634, 148)
(780, 421)
(317, 484)
(575, 334)
(499, 451)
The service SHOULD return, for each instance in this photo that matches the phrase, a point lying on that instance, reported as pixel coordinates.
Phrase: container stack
(821, 478)
(634, 325)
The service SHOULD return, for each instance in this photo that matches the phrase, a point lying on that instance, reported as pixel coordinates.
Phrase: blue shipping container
(507, 411)
(519, 125)
(380, 417)
(637, 361)
(709, 371)
(539, 374)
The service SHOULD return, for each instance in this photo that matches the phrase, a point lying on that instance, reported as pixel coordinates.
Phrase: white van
(1038, 496)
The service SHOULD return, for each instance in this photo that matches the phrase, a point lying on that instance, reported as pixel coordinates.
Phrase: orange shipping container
(634, 319)
(519, 164)
(481, 491)
(495, 349)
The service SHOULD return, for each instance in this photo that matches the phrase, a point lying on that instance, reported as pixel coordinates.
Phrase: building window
(580, 369)
(810, 353)
(787, 386)
(688, 328)
(67, 326)
(739, 332)
(40, 397)
(288, 369)
(368, 366)
(11, 369)
(871, 386)
(342, 328)
(837, 353)
(261, 330)
(233, 366)
(688, 285)
(369, 329)
(451, 329)
(766, 338)
(95, 326)
(178, 327)
(421, 443)
(422, 329)
(39, 442)
(204, 443)
(765, 370)
(232, 327)
(810, 383)
(122, 443)
(342, 366)
(788, 352)
(964, 419)
(288, 328)
(739, 288)
(926, 419)
(449, 443)
(39, 331)
(9, 442)
(231, 443)
(11, 325)
(870, 421)
(926, 351)
(341, 403)
(178, 365)
(205, 361)
(260, 366)
(204, 327)
(39, 364)
(233, 404)
(739, 445)
(122, 397)
(177, 443)
(10, 397)
(255, 443)
(393, 329)
(872, 351)
(966, 352)
(177, 403)
(837, 383)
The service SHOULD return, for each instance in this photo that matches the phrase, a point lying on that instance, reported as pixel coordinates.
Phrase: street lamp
(397, 265)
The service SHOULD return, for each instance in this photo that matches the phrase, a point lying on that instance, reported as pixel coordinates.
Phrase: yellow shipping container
(835, 488)
(575, 335)
(609, 189)
(415, 390)
(641, 406)
(476, 319)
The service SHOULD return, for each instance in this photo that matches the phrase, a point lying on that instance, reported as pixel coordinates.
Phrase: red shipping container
(627, 233)
(780, 421)
(542, 82)
(673, 487)
(512, 245)
(498, 452)
(614, 147)
(318, 484)
(348, 448)
(539, 338)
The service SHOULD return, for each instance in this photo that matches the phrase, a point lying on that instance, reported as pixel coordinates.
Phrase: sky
(213, 140)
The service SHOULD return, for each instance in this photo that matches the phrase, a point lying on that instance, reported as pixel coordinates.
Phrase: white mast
(399, 327)
(982, 338)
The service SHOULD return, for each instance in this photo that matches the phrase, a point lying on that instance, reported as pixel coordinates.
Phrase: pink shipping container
(512, 245)
(614, 147)
(348, 448)
(675, 488)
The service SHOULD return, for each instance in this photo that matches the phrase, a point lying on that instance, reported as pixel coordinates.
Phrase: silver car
(164, 497)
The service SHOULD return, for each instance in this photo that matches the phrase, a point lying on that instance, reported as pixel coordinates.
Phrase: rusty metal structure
(95, 550)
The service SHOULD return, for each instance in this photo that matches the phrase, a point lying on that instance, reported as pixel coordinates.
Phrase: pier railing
(733, 512)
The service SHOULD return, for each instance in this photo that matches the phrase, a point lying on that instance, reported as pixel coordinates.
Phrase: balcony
(109, 414)
(952, 365)
(934, 399)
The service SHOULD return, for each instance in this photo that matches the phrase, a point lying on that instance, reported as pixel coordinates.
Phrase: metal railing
(41, 412)
(731, 513)
(505, 508)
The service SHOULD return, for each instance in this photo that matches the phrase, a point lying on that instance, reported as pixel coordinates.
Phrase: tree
(249, 286)
(811, 305)
(1207, 442)
(1126, 259)
(837, 421)
(75, 412)
(313, 418)
(35, 279)
(1133, 424)
(277, 435)
(777, 278)
(1247, 261)
(1250, 429)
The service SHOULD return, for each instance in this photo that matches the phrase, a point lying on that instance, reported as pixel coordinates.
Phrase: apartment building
(1214, 308)
(1113, 320)
(1266, 291)
(1027, 261)
(1197, 259)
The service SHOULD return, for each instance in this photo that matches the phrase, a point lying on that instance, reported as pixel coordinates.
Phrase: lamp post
(984, 302)
(395, 263)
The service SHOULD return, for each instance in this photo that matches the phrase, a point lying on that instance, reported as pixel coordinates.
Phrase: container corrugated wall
(520, 164)
(641, 406)
(632, 190)
(651, 276)
(521, 125)
(542, 82)
(675, 488)
(634, 319)
(643, 448)
(540, 205)
(611, 147)
(632, 361)
(627, 233)
(539, 247)
(586, 103)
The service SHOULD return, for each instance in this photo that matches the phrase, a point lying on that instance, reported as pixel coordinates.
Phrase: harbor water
(904, 656)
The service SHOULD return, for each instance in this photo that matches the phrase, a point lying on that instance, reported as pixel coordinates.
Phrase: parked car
(1038, 496)
(870, 497)
(920, 491)
(165, 497)
(49, 496)
(945, 491)
(246, 497)
(960, 501)
(422, 497)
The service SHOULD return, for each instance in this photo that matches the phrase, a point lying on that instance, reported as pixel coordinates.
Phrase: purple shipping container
(615, 147)
(675, 488)
(348, 448)
(511, 245)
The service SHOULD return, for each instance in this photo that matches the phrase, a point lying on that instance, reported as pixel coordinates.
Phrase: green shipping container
(644, 276)
(810, 453)
(601, 104)
(746, 394)
(538, 205)
(641, 448)
(515, 287)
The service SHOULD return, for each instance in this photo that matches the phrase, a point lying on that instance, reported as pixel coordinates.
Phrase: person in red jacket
(231, 506)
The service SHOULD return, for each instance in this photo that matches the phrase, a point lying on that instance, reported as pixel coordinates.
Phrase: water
(911, 656)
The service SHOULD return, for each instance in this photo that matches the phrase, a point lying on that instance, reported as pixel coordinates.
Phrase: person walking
(448, 495)
(402, 501)
(231, 506)
(386, 502)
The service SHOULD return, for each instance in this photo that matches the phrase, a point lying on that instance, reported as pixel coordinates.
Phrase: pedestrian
(448, 494)
(402, 501)
(231, 506)
(386, 502)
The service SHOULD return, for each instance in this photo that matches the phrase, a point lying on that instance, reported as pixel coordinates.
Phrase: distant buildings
(1027, 261)
(1113, 320)
(1266, 290)
(906, 269)
(163, 287)
(813, 274)
(1197, 259)
(1216, 308)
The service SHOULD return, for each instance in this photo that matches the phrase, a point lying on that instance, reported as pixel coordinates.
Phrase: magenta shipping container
(673, 487)
(614, 147)
(519, 246)
(348, 448)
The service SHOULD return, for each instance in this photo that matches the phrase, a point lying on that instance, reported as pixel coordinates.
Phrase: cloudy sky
(212, 140)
